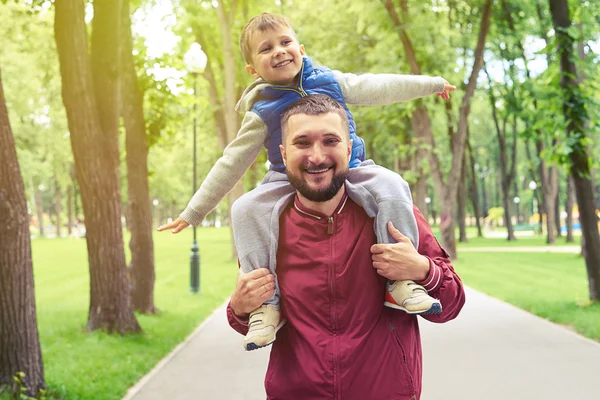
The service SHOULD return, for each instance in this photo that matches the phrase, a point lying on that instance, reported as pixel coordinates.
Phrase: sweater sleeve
(237, 157)
(380, 89)
(239, 324)
(442, 282)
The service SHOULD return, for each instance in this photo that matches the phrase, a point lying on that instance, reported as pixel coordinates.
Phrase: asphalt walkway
(493, 351)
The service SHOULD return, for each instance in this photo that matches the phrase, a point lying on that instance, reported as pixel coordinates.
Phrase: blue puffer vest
(274, 99)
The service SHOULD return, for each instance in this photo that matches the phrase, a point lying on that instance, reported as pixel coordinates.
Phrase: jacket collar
(307, 212)
(276, 91)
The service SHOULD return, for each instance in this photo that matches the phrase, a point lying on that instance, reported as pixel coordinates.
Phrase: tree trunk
(19, 340)
(232, 120)
(569, 208)
(557, 213)
(473, 192)
(448, 189)
(141, 269)
(70, 210)
(93, 122)
(420, 123)
(575, 116)
(57, 209)
(461, 213)
(39, 208)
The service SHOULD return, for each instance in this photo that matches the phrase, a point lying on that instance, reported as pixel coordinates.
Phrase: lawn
(526, 241)
(80, 365)
(552, 286)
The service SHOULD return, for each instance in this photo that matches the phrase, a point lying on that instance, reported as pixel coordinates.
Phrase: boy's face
(276, 56)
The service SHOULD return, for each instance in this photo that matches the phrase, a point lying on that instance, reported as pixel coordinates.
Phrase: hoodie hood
(250, 95)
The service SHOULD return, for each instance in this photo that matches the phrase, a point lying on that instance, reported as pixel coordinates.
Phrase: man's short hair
(260, 23)
(313, 104)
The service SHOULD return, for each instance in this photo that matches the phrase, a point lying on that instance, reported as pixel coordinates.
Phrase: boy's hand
(176, 226)
(445, 94)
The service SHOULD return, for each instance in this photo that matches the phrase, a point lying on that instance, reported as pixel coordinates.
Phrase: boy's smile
(276, 56)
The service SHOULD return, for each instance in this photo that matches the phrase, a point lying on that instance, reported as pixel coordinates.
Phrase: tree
(448, 189)
(19, 341)
(90, 96)
(575, 115)
(141, 269)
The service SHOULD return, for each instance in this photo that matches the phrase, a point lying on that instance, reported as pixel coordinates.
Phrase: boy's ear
(283, 155)
(250, 69)
(302, 51)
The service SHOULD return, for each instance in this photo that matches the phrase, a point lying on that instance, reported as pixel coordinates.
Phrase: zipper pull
(330, 226)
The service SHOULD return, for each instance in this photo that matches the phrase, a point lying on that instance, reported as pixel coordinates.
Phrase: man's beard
(318, 195)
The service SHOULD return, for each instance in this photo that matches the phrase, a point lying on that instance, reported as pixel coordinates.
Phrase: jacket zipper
(300, 89)
(330, 231)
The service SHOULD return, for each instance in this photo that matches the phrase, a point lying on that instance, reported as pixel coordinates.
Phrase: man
(340, 342)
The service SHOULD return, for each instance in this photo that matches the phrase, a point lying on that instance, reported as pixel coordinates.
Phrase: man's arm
(251, 291)
(237, 157)
(441, 282)
(380, 89)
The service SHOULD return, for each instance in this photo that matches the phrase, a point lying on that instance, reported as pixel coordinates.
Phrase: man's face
(316, 151)
(276, 56)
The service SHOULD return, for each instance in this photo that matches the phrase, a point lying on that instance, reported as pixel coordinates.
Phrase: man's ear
(283, 155)
(250, 69)
(349, 149)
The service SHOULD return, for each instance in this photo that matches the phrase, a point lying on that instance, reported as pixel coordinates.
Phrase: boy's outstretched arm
(380, 89)
(237, 157)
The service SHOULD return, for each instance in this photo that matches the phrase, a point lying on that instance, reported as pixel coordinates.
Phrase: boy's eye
(264, 49)
(286, 42)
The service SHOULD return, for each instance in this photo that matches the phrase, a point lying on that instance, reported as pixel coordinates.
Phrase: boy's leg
(255, 222)
(385, 196)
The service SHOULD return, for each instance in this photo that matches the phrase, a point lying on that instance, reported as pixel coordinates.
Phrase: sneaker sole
(435, 308)
(253, 346)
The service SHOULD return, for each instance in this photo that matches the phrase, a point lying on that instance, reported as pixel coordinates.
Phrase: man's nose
(317, 155)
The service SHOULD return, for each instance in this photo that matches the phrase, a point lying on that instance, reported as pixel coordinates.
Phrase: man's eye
(302, 144)
(331, 142)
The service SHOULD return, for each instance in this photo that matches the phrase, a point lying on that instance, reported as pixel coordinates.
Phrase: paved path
(493, 351)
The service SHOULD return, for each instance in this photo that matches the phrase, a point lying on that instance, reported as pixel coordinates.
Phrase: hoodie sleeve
(237, 157)
(442, 282)
(380, 89)
(239, 324)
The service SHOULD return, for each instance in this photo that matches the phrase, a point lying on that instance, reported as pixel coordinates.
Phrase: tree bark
(448, 189)
(39, 209)
(92, 107)
(461, 213)
(575, 116)
(232, 120)
(19, 340)
(557, 213)
(420, 123)
(569, 208)
(141, 269)
(473, 192)
(70, 210)
(57, 209)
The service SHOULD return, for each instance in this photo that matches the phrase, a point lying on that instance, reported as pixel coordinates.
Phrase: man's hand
(176, 226)
(445, 94)
(399, 261)
(252, 290)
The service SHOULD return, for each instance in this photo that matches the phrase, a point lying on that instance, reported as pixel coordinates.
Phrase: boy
(277, 60)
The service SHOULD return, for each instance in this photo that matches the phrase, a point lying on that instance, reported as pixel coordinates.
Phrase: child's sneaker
(264, 323)
(411, 297)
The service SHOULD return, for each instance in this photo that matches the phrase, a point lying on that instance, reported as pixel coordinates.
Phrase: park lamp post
(428, 202)
(195, 62)
(517, 200)
(532, 187)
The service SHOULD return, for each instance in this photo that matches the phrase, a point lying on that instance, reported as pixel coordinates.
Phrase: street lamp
(532, 187)
(195, 62)
(517, 200)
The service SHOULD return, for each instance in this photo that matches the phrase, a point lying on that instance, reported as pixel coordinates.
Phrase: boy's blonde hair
(260, 23)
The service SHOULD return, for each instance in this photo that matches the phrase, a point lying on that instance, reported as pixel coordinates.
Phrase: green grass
(527, 241)
(552, 286)
(81, 365)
